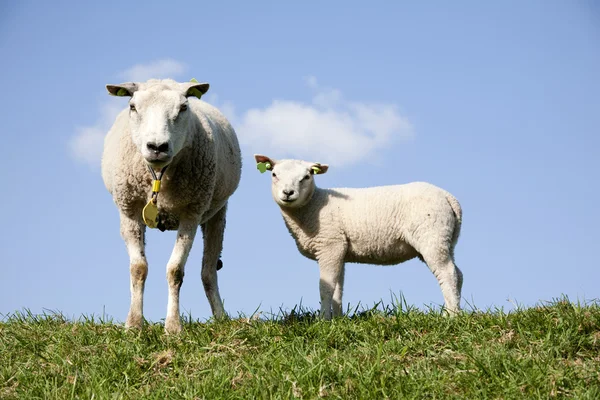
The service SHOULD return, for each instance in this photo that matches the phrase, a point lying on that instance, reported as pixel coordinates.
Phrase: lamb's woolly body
(379, 225)
(383, 225)
(194, 191)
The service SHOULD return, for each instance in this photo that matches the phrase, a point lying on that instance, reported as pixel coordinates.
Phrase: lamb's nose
(158, 148)
(288, 193)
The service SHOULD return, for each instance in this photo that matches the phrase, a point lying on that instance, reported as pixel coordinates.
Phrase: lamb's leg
(337, 294)
(331, 266)
(133, 231)
(213, 231)
(450, 279)
(176, 270)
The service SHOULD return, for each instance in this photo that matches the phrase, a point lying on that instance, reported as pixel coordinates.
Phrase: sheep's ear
(194, 88)
(318, 169)
(264, 163)
(122, 90)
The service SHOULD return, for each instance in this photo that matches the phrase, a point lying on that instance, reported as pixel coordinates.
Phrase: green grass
(552, 350)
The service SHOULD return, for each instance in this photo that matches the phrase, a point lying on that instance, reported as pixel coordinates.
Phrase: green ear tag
(316, 170)
(194, 80)
(194, 92)
(150, 214)
(122, 92)
(263, 166)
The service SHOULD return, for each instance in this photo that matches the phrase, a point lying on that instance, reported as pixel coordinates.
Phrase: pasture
(548, 351)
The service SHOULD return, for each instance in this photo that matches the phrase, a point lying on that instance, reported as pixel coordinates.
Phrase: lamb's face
(293, 184)
(159, 116)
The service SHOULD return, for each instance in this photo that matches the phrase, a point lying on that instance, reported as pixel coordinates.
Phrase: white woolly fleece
(204, 167)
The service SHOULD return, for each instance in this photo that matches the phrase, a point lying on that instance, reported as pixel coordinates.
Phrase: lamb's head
(292, 180)
(159, 116)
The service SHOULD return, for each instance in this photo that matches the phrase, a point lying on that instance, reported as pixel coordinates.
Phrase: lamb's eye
(274, 175)
(183, 107)
(306, 177)
(132, 107)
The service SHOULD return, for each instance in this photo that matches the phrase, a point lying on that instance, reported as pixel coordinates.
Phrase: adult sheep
(380, 225)
(192, 148)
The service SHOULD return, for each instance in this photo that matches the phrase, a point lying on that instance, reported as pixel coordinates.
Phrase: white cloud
(87, 144)
(160, 69)
(330, 128)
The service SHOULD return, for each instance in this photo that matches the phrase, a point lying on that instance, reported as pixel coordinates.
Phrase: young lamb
(383, 225)
(164, 129)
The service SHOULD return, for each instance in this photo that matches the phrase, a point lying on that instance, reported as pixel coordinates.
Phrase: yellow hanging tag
(156, 186)
(150, 213)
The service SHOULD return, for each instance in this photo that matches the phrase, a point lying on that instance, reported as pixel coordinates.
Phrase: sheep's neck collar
(150, 211)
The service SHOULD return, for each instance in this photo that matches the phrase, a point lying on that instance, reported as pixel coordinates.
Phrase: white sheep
(383, 225)
(164, 126)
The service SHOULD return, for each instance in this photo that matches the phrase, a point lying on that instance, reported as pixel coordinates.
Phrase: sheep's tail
(458, 214)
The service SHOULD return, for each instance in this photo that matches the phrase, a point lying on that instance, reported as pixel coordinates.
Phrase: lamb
(190, 148)
(383, 225)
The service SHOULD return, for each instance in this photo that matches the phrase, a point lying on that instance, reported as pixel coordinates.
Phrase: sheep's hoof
(134, 322)
(219, 264)
(172, 327)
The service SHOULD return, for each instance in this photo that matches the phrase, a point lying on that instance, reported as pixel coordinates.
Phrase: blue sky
(497, 102)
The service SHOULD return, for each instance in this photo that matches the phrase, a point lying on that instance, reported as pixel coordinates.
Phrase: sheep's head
(292, 180)
(159, 116)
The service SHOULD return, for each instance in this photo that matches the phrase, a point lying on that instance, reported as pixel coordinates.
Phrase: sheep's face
(159, 117)
(292, 184)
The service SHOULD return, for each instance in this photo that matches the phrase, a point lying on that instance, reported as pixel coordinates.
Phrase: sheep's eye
(132, 107)
(274, 175)
(306, 177)
(183, 107)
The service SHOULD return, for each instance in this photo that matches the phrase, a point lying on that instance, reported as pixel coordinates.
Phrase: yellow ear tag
(316, 170)
(263, 166)
(150, 214)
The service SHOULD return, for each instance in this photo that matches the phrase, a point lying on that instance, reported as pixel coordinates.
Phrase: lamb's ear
(318, 169)
(263, 163)
(122, 90)
(194, 88)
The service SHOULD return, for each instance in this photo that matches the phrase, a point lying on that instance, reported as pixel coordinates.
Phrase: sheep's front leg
(175, 271)
(133, 231)
(213, 231)
(331, 267)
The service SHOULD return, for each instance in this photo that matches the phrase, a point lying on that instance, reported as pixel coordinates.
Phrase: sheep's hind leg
(133, 231)
(450, 279)
(176, 270)
(213, 231)
(331, 267)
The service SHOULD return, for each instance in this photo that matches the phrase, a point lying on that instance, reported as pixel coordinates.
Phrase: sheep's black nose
(288, 192)
(160, 148)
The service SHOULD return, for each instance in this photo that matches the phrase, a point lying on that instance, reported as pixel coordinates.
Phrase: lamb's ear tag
(122, 92)
(316, 170)
(150, 214)
(263, 166)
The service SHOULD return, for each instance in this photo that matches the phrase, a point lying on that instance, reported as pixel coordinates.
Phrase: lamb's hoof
(172, 326)
(219, 264)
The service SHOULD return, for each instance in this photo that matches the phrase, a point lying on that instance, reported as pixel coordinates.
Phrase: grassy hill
(549, 351)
